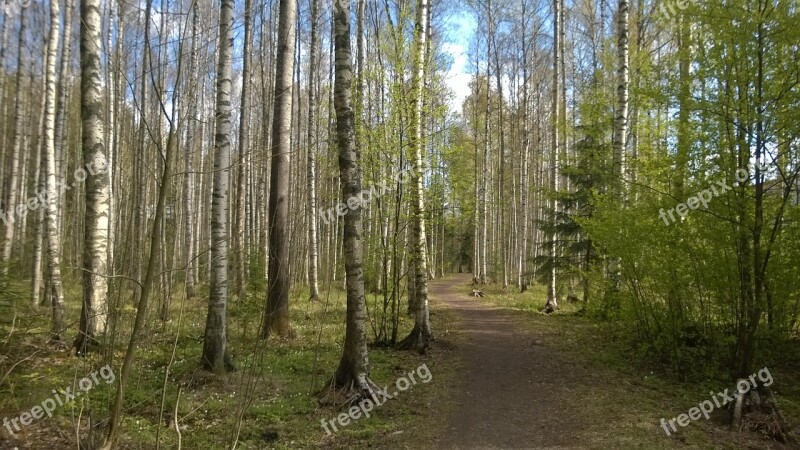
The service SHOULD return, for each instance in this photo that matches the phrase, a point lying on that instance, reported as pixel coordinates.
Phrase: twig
(175, 416)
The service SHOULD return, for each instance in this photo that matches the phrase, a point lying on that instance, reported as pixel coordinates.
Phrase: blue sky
(459, 31)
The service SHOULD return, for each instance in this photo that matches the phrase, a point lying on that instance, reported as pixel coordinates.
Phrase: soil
(520, 387)
(512, 392)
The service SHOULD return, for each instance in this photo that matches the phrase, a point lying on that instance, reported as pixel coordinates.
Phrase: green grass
(268, 402)
(272, 389)
(636, 393)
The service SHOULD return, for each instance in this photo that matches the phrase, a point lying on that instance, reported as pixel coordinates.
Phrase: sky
(460, 28)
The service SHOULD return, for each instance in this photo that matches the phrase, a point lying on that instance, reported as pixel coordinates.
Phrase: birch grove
(254, 213)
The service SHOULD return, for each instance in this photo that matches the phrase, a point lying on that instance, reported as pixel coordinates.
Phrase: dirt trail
(516, 390)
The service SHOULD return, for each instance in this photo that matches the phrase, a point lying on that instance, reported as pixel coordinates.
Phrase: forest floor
(501, 375)
(528, 380)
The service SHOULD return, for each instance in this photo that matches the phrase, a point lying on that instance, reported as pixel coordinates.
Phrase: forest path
(517, 390)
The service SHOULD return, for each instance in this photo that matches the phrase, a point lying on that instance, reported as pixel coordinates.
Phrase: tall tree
(276, 315)
(53, 235)
(498, 74)
(216, 357)
(239, 273)
(95, 243)
(420, 336)
(552, 294)
(146, 286)
(485, 178)
(62, 88)
(4, 36)
(684, 93)
(621, 115)
(522, 273)
(9, 216)
(313, 132)
(620, 140)
(353, 369)
(188, 162)
(40, 178)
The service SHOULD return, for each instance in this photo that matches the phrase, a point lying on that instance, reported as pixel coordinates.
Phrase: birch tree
(552, 300)
(420, 336)
(313, 133)
(62, 86)
(216, 357)
(522, 273)
(39, 222)
(95, 245)
(684, 113)
(188, 163)
(52, 185)
(353, 369)
(241, 166)
(9, 215)
(146, 286)
(621, 122)
(621, 115)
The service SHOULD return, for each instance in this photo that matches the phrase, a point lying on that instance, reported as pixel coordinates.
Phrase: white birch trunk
(39, 225)
(354, 365)
(313, 134)
(9, 215)
(95, 245)
(216, 357)
(188, 163)
(420, 336)
(621, 116)
(53, 236)
(61, 108)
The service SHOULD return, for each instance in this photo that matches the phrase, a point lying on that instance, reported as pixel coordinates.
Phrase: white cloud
(459, 31)
(458, 77)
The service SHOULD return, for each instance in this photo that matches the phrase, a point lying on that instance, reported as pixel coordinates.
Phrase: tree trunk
(3, 90)
(53, 235)
(216, 357)
(9, 215)
(150, 273)
(95, 244)
(63, 87)
(522, 272)
(552, 300)
(485, 186)
(313, 272)
(621, 116)
(476, 235)
(241, 166)
(684, 93)
(188, 163)
(420, 336)
(620, 121)
(276, 316)
(353, 369)
(114, 96)
(503, 247)
(39, 224)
